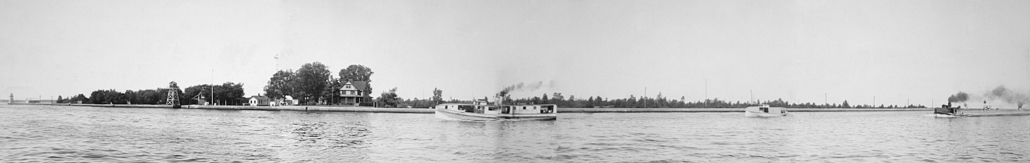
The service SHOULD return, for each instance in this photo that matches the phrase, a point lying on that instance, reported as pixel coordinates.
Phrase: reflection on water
(56, 134)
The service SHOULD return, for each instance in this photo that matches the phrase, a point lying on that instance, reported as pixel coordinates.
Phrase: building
(259, 101)
(200, 99)
(286, 101)
(354, 93)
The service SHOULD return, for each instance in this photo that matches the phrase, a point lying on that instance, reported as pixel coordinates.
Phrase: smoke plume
(1000, 94)
(520, 87)
(958, 97)
(1007, 95)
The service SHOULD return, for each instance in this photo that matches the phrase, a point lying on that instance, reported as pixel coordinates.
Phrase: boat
(947, 111)
(484, 111)
(764, 111)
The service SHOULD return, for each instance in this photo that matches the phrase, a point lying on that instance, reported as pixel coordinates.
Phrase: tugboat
(482, 110)
(764, 111)
(947, 111)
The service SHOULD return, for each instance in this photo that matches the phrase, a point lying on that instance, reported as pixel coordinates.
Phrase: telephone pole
(212, 86)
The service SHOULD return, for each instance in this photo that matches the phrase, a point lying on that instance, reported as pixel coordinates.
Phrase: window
(346, 86)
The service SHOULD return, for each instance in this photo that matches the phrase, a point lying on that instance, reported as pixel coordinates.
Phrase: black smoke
(958, 97)
(1009, 96)
(519, 87)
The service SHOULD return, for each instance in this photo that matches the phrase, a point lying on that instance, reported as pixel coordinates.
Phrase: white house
(259, 101)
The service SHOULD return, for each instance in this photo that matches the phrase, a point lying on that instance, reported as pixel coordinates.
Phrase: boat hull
(455, 115)
(753, 114)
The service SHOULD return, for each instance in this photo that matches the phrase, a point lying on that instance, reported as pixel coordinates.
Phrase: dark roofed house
(354, 93)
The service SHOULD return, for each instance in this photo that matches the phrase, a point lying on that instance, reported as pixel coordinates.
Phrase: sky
(898, 52)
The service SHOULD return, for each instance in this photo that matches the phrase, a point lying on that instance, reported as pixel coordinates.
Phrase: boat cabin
(499, 109)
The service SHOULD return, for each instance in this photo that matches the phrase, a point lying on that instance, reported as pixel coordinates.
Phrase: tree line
(390, 99)
(314, 83)
(228, 93)
(664, 102)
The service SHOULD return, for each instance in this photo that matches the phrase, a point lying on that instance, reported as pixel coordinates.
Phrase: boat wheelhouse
(764, 111)
(947, 111)
(483, 111)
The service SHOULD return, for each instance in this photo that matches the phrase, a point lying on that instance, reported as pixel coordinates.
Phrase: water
(58, 134)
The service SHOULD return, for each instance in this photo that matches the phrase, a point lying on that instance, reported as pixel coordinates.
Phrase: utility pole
(212, 87)
(874, 101)
(752, 96)
(825, 102)
(706, 92)
(645, 97)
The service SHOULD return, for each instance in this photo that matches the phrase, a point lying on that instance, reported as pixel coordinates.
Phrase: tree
(310, 81)
(280, 84)
(226, 93)
(437, 95)
(357, 73)
(78, 98)
(845, 104)
(545, 100)
(331, 89)
(389, 99)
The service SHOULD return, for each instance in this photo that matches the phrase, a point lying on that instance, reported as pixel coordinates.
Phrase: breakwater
(429, 111)
(993, 113)
(716, 110)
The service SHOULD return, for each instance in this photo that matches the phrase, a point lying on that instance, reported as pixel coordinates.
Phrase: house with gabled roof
(354, 93)
(259, 101)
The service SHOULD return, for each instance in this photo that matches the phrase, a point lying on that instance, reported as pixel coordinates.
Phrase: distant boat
(946, 111)
(483, 111)
(764, 111)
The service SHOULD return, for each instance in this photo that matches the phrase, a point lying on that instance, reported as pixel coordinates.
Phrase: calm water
(52, 134)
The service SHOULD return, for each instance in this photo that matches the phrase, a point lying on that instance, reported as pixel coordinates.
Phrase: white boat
(482, 111)
(764, 111)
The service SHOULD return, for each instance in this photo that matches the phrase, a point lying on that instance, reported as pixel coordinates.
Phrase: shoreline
(431, 111)
(717, 110)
